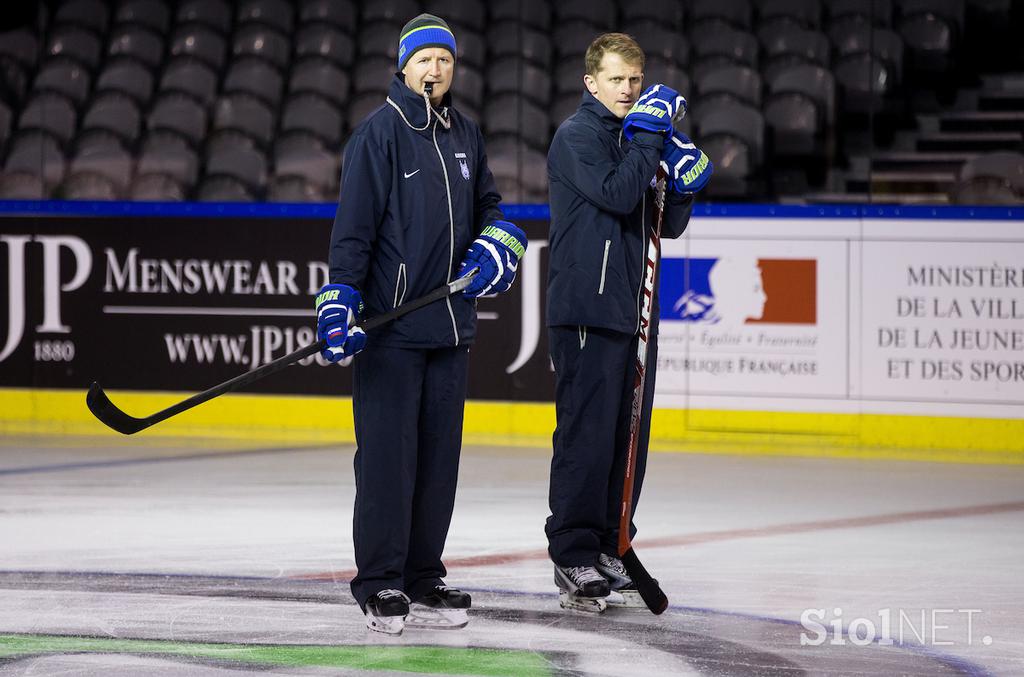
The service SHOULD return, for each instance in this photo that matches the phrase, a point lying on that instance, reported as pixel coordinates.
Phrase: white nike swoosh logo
(410, 174)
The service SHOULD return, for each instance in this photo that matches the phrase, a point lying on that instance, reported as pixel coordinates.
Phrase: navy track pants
(408, 407)
(594, 377)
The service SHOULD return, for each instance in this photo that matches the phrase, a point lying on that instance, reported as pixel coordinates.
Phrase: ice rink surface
(144, 556)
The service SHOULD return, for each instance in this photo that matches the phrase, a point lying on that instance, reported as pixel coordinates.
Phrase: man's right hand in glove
(338, 307)
(654, 112)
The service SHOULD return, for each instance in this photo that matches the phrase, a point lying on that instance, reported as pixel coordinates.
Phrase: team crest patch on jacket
(461, 157)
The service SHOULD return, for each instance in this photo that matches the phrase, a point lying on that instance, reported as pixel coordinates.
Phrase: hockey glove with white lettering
(338, 307)
(496, 252)
(687, 167)
(654, 111)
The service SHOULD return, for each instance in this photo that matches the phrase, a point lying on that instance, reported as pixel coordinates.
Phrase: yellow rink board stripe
(329, 419)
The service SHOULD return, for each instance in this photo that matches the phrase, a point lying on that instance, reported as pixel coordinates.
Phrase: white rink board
(912, 316)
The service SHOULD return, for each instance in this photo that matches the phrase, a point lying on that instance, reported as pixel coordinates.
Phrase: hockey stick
(648, 588)
(108, 413)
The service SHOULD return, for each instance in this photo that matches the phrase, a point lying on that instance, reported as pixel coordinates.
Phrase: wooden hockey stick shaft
(113, 417)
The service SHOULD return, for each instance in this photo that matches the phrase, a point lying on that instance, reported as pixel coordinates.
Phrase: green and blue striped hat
(424, 31)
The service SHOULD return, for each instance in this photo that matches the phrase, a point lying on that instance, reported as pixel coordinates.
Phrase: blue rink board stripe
(269, 210)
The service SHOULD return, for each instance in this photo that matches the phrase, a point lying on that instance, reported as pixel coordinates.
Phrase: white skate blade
(626, 599)
(387, 625)
(422, 616)
(590, 605)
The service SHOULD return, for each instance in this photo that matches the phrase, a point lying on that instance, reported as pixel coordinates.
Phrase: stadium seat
(129, 77)
(735, 13)
(156, 188)
(314, 114)
(244, 113)
(668, 14)
(805, 13)
(275, 13)
(931, 30)
(469, 88)
(667, 72)
(254, 76)
(20, 185)
(230, 153)
(361, 106)
(302, 154)
(786, 45)
(723, 48)
(814, 83)
(471, 46)
(150, 14)
(515, 75)
(323, 77)
(659, 41)
(291, 188)
(190, 76)
(509, 158)
(64, 75)
(571, 38)
(865, 81)
(138, 43)
(469, 13)
(103, 156)
(327, 41)
(224, 189)
(515, 38)
(86, 185)
(114, 112)
(75, 43)
(601, 13)
(991, 178)
(259, 41)
(179, 113)
(39, 153)
(876, 12)
(6, 120)
(882, 43)
(739, 121)
(168, 153)
(13, 81)
(515, 114)
(569, 76)
(200, 42)
(380, 39)
(341, 14)
(22, 45)
(565, 104)
(739, 83)
(90, 14)
(536, 13)
(395, 11)
(373, 75)
(213, 13)
(51, 112)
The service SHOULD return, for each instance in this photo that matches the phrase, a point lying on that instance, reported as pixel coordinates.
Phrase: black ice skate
(441, 608)
(582, 589)
(623, 589)
(386, 612)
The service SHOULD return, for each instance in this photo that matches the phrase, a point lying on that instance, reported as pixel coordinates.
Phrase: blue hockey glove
(338, 307)
(687, 167)
(496, 252)
(654, 111)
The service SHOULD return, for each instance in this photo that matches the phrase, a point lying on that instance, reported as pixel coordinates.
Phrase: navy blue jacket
(602, 212)
(412, 201)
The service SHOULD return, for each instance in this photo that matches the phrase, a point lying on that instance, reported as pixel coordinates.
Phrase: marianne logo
(734, 290)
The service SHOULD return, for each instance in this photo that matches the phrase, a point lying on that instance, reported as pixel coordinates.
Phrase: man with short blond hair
(601, 165)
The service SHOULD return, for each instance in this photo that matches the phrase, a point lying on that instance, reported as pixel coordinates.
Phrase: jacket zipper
(604, 266)
(400, 283)
(451, 232)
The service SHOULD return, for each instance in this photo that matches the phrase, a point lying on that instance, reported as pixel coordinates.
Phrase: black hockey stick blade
(110, 415)
(648, 588)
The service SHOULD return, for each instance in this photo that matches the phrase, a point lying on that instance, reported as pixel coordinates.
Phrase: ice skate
(443, 608)
(386, 612)
(581, 589)
(623, 591)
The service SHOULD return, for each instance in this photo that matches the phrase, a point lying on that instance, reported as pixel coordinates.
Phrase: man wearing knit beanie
(426, 54)
(418, 209)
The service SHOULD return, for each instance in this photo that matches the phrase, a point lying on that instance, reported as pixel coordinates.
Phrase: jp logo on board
(733, 290)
